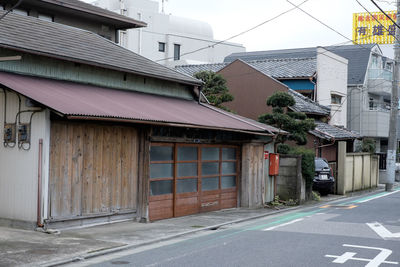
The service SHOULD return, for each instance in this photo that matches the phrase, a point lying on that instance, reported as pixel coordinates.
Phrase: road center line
(283, 224)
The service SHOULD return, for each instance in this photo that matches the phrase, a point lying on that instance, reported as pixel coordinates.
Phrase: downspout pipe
(39, 189)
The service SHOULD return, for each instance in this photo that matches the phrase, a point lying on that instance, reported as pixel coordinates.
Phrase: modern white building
(169, 39)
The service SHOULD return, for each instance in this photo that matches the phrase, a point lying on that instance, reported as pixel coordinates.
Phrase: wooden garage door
(189, 178)
(93, 169)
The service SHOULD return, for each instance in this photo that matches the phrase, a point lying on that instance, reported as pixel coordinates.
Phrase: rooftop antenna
(162, 5)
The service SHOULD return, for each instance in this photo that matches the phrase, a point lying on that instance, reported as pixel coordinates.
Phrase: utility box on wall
(273, 164)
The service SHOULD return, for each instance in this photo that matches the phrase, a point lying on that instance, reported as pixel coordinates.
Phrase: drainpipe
(315, 85)
(200, 93)
(39, 202)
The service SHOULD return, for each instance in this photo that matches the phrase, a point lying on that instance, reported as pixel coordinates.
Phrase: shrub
(283, 149)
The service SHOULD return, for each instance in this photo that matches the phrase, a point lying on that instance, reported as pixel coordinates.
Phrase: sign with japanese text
(373, 29)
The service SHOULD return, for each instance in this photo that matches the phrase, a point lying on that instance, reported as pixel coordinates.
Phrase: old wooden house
(94, 133)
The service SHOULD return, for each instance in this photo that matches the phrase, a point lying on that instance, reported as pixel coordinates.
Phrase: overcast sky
(291, 30)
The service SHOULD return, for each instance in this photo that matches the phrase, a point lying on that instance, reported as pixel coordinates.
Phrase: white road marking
(375, 262)
(382, 231)
(283, 224)
(366, 200)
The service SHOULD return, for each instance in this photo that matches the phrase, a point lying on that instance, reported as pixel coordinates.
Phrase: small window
(46, 17)
(20, 12)
(161, 47)
(122, 38)
(336, 99)
(177, 52)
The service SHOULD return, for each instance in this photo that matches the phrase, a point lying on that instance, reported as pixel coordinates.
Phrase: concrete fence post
(341, 179)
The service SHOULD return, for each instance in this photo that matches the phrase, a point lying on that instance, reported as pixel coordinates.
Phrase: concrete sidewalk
(21, 247)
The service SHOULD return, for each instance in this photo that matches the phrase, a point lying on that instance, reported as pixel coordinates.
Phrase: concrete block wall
(290, 183)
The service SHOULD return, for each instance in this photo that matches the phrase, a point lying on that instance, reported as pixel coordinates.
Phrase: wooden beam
(11, 58)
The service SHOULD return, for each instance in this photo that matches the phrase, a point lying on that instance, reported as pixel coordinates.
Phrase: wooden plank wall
(93, 169)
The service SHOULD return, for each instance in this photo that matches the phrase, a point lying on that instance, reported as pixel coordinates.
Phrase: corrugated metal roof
(60, 41)
(79, 100)
(330, 132)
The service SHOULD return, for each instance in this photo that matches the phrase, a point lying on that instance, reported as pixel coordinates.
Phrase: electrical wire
(394, 22)
(332, 29)
(239, 34)
(11, 9)
(378, 20)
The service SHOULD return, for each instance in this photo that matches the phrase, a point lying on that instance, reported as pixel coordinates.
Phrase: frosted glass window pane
(187, 153)
(163, 170)
(228, 182)
(228, 153)
(161, 153)
(160, 187)
(186, 185)
(187, 169)
(228, 167)
(210, 153)
(208, 184)
(209, 168)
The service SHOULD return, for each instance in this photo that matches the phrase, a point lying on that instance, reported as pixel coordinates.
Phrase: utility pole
(392, 143)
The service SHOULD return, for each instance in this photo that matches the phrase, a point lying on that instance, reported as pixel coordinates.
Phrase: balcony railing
(380, 74)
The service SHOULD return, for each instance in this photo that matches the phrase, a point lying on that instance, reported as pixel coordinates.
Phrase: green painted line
(283, 219)
(369, 197)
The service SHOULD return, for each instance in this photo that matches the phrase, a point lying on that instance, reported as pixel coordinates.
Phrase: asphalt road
(359, 232)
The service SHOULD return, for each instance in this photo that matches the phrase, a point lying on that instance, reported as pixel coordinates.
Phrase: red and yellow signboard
(373, 29)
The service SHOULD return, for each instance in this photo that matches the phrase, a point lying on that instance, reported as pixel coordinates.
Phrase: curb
(212, 227)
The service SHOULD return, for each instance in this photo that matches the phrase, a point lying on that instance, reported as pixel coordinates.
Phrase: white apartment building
(169, 39)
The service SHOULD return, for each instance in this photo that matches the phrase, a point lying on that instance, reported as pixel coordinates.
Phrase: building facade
(93, 137)
(369, 81)
(169, 39)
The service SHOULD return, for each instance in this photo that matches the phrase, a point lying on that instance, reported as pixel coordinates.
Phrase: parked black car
(323, 180)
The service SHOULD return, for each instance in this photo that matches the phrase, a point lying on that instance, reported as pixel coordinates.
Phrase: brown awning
(80, 101)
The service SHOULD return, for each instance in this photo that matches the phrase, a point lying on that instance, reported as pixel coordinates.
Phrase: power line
(394, 22)
(329, 27)
(236, 35)
(378, 20)
(11, 9)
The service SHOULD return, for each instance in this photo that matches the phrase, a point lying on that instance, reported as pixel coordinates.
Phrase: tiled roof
(330, 132)
(51, 39)
(191, 70)
(286, 68)
(120, 21)
(308, 106)
(304, 67)
(276, 68)
(357, 56)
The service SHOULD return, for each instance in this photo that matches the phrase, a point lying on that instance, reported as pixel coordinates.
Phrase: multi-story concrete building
(368, 86)
(169, 39)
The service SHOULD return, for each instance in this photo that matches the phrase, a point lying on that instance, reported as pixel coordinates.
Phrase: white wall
(190, 34)
(19, 168)
(332, 79)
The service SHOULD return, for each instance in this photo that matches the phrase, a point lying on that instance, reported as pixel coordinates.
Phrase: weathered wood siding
(253, 180)
(68, 71)
(93, 169)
